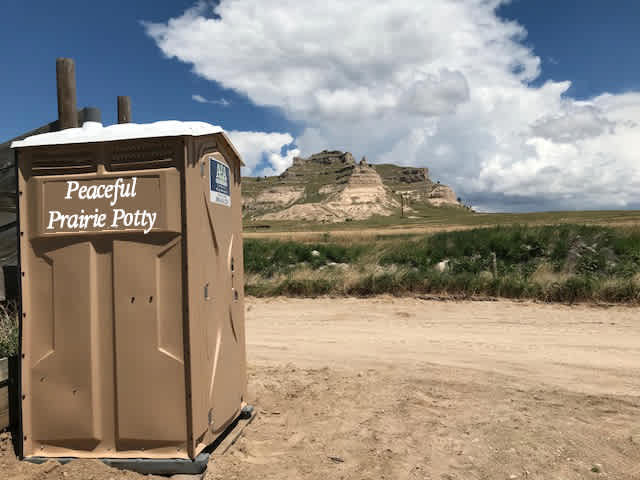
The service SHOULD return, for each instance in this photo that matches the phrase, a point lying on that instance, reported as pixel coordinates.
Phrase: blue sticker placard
(219, 191)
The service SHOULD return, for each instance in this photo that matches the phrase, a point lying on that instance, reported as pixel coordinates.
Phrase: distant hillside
(331, 186)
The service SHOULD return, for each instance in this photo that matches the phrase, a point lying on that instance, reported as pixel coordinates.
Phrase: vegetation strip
(560, 263)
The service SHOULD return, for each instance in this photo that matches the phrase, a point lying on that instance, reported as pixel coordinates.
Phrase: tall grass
(565, 263)
(269, 257)
(521, 249)
(8, 329)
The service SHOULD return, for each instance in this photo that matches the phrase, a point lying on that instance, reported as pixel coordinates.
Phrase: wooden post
(124, 109)
(66, 86)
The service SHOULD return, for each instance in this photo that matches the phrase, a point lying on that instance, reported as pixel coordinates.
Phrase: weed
(563, 263)
(9, 330)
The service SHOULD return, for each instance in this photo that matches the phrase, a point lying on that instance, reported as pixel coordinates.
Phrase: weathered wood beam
(124, 109)
(66, 88)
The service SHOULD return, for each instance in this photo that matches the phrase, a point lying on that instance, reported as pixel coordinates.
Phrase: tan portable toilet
(132, 332)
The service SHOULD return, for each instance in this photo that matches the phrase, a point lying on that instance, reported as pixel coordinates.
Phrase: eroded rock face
(330, 186)
(328, 189)
(443, 195)
(307, 212)
(364, 186)
(332, 157)
(363, 196)
(280, 195)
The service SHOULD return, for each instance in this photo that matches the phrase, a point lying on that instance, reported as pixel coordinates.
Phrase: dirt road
(410, 389)
(584, 349)
(404, 388)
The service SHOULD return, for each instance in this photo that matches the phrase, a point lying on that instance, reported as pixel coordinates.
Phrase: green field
(431, 219)
(557, 263)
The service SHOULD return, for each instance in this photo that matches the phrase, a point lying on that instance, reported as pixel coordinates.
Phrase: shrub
(587, 250)
(566, 263)
(303, 288)
(9, 330)
(269, 257)
(621, 291)
(573, 290)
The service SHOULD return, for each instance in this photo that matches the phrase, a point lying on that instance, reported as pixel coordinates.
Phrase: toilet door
(103, 366)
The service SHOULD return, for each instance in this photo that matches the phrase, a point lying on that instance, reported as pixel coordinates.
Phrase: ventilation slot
(68, 164)
(142, 157)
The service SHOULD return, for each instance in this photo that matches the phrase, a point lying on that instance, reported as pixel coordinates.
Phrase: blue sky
(113, 57)
(269, 68)
(589, 42)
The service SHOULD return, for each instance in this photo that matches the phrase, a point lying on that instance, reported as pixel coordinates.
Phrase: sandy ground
(404, 388)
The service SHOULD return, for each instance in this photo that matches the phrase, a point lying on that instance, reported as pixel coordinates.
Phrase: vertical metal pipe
(66, 88)
(90, 114)
(124, 109)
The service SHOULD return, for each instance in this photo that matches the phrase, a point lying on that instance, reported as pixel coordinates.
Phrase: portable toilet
(132, 304)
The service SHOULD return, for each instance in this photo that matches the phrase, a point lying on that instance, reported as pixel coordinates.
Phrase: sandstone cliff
(331, 186)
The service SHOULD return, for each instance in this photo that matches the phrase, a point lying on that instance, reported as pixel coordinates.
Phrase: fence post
(124, 109)
(66, 88)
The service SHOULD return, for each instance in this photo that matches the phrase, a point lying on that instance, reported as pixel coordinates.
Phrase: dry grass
(366, 234)
(563, 263)
(8, 329)
(545, 275)
(429, 220)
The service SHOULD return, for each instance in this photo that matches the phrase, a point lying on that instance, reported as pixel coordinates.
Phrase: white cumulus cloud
(256, 148)
(446, 86)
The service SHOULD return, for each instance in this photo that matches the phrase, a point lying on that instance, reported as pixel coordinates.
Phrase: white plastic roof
(95, 132)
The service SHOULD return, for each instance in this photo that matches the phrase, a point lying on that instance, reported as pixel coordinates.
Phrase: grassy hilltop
(331, 187)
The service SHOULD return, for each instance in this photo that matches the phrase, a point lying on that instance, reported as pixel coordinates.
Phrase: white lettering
(126, 190)
(118, 214)
(72, 221)
(128, 219)
(54, 216)
(120, 218)
(81, 220)
(152, 220)
(92, 192)
(115, 193)
(72, 186)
